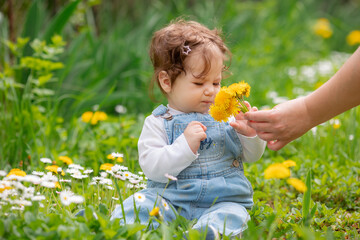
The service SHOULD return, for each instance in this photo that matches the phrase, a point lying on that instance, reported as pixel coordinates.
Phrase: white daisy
(103, 174)
(49, 177)
(65, 197)
(48, 184)
(106, 181)
(72, 171)
(45, 160)
(38, 198)
(37, 173)
(139, 197)
(33, 179)
(120, 109)
(118, 167)
(120, 176)
(3, 173)
(127, 174)
(76, 166)
(21, 208)
(88, 171)
(143, 185)
(134, 181)
(116, 155)
(65, 180)
(129, 185)
(165, 204)
(77, 199)
(22, 202)
(79, 176)
(168, 176)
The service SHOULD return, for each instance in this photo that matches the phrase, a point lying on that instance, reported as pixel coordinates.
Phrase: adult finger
(266, 136)
(258, 116)
(261, 126)
(276, 145)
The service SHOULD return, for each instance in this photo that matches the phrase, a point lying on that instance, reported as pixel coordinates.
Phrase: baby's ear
(165, 81)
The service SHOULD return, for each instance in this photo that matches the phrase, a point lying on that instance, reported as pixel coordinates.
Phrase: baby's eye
(216, 84)
(198, 83)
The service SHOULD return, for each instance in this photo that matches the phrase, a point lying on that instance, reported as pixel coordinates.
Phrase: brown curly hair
(167, 48)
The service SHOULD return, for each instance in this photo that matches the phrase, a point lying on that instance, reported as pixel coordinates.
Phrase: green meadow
(74, 79)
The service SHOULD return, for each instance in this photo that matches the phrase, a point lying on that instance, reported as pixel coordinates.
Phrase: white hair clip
(186, 50)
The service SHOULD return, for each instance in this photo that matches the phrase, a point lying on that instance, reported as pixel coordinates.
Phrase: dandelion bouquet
(229, 101)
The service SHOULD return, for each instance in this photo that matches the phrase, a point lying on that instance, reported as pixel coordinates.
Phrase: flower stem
(243, 106)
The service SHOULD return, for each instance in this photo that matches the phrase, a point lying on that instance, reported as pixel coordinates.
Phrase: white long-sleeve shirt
(157, 157)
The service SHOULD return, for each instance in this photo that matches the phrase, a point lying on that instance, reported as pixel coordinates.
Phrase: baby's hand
(240, 124)
(194, 134)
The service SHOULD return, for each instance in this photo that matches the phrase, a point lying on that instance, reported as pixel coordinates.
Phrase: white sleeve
(253, 147)
(156, 156)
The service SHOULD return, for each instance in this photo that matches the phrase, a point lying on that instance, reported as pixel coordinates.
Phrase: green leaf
(134, 228)
(32, 20)
(103, 209)
(60, 20)
(307, 199)
(2, 228)
(29, 217)
(109, 233)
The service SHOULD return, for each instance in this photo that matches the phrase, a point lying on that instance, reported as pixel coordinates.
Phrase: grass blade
(307, 199)
(60, 20)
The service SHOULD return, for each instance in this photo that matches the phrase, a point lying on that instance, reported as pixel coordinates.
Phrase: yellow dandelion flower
(17, 172)
(118, 159)
(106, 166)
(86, 116)
(229, 101)
(218, 113)
(297, 184)
(353, 38)
(289, 163)
(240, 89)
(100, 116)
(234, 107)
(66, 160)
(4, 188)
(93, 118)
(336, 125)
(277, 170)
(57, 185)
(223, 96)
(322, 28)
(54, 169)
(155, 212)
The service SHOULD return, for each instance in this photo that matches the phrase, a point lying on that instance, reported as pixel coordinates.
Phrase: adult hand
(241, 124)
(284, 123)
(194, 134)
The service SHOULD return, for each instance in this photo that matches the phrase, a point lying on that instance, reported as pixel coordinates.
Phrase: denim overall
(213, 189)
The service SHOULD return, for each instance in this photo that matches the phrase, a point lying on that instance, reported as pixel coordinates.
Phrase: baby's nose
(209, 91)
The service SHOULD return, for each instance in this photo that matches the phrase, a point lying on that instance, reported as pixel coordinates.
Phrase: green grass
(106, 64)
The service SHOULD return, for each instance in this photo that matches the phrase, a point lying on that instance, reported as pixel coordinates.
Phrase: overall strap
(162, 111)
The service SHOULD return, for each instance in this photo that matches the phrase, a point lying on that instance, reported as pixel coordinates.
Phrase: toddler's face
(190, 94)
